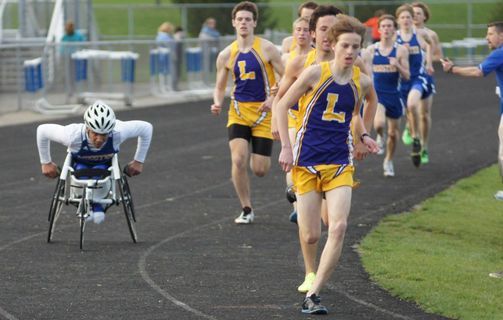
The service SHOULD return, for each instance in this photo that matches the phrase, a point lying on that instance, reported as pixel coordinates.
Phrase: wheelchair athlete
(93, 145)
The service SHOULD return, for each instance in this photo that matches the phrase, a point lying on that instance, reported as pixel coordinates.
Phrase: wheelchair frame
(64, 194)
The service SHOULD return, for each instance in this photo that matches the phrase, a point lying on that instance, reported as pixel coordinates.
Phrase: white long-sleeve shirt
(71, 136)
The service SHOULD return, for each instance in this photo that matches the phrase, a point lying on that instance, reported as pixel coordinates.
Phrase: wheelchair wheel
(56, 206)
(82, 212)
(127, 203)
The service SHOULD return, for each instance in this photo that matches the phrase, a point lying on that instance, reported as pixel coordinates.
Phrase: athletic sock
(247, 210)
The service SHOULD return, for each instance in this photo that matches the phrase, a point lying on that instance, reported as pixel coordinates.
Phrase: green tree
(197, 16)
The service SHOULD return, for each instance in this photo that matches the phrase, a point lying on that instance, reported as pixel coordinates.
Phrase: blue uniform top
(325, 113)
(494, 62)
(92, 157)
(386, 76)
(416, 54)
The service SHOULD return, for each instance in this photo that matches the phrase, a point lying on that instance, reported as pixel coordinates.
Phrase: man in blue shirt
(494, 62)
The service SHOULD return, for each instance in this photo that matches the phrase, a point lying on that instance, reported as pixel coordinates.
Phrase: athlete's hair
(497, 24)
(245, 6)
(300, 19)
(402, 8)
(322, 11)
(387, 17)
(423, 7)
(346, 24)
(308, 5)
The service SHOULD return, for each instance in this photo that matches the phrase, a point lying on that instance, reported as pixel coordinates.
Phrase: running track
(192, 262)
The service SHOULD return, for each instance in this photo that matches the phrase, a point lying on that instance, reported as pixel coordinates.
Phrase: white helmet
(100, 118)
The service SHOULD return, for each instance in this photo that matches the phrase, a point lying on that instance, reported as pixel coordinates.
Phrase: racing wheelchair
(107, 187)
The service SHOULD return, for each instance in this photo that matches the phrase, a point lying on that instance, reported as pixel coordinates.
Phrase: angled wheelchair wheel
(127, 203)
(82, 212)
(56, 206)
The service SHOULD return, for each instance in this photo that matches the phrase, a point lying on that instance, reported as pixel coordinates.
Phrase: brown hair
(245, 6)
(308, 5)
(322, 11)
(346, 24)
(387, 17)
(497, 24)
(402, 8)
(423, 7)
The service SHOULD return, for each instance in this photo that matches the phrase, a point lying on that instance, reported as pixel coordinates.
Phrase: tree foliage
(196, 16)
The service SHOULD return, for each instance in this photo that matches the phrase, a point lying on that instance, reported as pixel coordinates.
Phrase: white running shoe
(499, 195)
(98, 217)
(245, 219)
(389, 171)
(380, 144)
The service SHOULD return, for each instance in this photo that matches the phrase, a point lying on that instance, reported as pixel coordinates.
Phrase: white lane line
(3, 312)
(144, 273)
(369, 305)
(183, 195)
(7, 315)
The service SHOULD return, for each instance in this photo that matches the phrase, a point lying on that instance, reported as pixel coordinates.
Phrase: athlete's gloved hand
(50, 170)
(134, 168)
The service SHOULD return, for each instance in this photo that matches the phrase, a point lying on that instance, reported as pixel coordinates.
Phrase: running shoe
(425, 158)
(499, 195)
(416, 152)
(380, 144)
(312, 305)
(308, 283)
(290, 194)
(293, 217)
(406, 137)
(389, 170)
(98, 214)
(498, 274)
(245, 218)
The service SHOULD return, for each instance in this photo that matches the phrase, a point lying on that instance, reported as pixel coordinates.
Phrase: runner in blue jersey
(420, 63)
(389, 62)
(421, 16)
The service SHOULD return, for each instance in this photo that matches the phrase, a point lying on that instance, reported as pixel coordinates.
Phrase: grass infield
(440, 254)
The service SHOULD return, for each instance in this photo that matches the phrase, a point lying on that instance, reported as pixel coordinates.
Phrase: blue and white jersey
(91, 156)
(75, 138)
(494, 62)
(386, 76)
(416, 54)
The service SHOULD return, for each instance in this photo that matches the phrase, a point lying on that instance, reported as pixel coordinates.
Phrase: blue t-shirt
(494, 62)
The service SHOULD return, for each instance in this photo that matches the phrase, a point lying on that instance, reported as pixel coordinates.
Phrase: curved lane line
(164, 293)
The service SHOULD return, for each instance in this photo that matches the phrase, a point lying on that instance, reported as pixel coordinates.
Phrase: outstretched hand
(447, 64)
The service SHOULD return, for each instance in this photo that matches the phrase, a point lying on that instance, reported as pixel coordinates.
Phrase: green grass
(114, 21)
(440, 254)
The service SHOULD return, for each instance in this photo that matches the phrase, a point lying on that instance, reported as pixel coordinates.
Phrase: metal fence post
(469, 18)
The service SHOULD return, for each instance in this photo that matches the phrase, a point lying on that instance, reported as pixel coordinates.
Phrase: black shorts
(262, 146)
